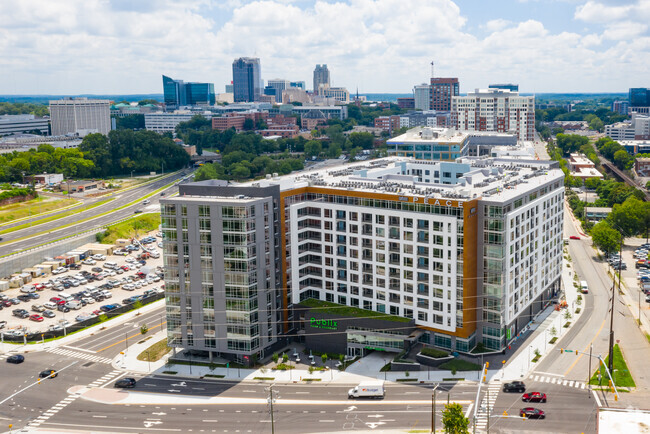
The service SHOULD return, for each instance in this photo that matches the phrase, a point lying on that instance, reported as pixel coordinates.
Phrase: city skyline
(118, 47)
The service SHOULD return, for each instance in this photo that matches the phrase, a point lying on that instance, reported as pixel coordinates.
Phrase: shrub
(433, 352)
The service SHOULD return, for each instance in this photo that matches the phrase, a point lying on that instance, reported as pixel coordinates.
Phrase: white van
(65, 296)
(110, 265)
(583, 287)
(74, 304)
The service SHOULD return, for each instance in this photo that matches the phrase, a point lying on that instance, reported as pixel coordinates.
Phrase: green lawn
(326, 307)
(622, 375)
(460, 365)
(155, 351)
(34, 207)
(137, 225)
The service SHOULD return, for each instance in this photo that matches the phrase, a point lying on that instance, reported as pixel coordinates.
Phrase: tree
(630, 216)
(454, 420)
(623, 159)
(324, 358)
(144, 329)
(275, 358)
(249, 124)
(362, 140)
(605, 237)
(313, 148)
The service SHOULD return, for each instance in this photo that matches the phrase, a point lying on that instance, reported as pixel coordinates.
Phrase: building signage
(328, 324)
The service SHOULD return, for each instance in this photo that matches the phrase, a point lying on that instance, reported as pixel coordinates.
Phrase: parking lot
(80, 291)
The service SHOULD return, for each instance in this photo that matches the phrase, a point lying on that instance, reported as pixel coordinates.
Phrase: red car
(534, 397)
(36, 318)
(39, 287)
(532, 413)
(574, 237)
(7, 303)
(56, 299)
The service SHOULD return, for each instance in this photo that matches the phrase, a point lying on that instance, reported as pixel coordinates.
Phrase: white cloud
(495, 25)
(120, 46)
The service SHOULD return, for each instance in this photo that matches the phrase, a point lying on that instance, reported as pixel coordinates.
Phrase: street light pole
(433, 409)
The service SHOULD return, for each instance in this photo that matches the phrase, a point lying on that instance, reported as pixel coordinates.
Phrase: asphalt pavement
(26, 238)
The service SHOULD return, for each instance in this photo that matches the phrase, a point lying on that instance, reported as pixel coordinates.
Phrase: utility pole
(610, 361)
(591, 347)
(433, 409)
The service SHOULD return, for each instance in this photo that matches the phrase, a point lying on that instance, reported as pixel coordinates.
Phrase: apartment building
(496, 110)
(465, 262)
(442, 92)
(163, 122)
(388, 123)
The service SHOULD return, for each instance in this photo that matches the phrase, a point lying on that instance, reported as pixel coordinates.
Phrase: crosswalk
(487, 404)
(559, 381)
(70, 399)
(6, 355)
(79, 355)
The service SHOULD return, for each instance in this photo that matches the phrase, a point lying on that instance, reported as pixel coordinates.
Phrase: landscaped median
(621, 374)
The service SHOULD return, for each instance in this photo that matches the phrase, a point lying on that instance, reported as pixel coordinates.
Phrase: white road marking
(596, 397)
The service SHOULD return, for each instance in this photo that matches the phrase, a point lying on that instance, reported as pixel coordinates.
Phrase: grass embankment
(57, 217)
(622, 376)
(137, 225)
(459, 365)
(34, 207)
(155, 352)
(325, 307)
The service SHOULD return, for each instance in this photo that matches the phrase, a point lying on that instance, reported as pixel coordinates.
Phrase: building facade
(406, 103)
(495, 110)
(177, 93)
(442, 91)
(77, 115)
(422, 96)
(222, 273)
(639, 97)
(19, 124)
(388, 123)
(321, 76)
(426, 143)
(464, 263)
(247, 79)
(164, 122)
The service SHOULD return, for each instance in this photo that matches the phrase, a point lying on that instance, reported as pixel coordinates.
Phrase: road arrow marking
(351, 408)
(374, 425)
(173, 390)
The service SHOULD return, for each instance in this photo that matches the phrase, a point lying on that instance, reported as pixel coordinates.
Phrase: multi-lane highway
(29, 237)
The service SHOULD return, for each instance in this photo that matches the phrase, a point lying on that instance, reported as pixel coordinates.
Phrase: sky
(376, 46)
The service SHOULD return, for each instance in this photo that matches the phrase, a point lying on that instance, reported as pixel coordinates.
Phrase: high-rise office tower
(442, 90)
(321, 76)
(247, 79)
(639, 97)
(422, 96)
(72, 115)
(177, 93)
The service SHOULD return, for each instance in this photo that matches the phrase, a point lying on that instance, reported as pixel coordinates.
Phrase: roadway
(29, 237)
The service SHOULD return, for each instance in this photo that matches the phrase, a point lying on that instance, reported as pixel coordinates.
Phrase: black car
(125, 383)
(24, 297)
(96, 269)
(63, 308)
(137, 211)
(48, 373)
(20, 313)
(515, 386)
(16, 358)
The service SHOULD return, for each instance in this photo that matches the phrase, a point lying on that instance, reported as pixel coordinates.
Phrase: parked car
(574, 237)
(49, 314)
(534, 397)
(36, 317)
(38, 308)
(49, 305)
(20, 313)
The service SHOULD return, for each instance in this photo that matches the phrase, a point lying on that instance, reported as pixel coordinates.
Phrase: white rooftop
(500, 179)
